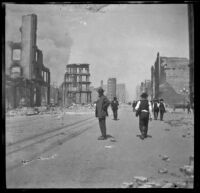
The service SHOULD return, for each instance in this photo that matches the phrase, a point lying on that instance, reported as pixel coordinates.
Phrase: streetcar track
(21, 121)
(43, 139)
(47, 132)
(51, 146)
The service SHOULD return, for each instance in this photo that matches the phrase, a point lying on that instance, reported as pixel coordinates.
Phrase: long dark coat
(101, 107)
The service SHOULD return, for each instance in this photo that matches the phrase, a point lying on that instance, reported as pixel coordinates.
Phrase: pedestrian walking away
(144, 111)
(188, 107)
(134, 105)
(162, 109)
(101, 112)
(155, 108)
(114, 106)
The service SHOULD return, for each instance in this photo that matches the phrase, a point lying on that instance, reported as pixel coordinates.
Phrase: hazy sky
(119, 41)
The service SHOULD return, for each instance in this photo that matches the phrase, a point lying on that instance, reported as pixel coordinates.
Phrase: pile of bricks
(144, 182)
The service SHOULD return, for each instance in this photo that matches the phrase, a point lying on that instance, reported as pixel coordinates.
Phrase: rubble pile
(22, 111)
(154, 184)
(141, 182)
(188, 171)
(73, 109)
(144, 182)
(78, 108)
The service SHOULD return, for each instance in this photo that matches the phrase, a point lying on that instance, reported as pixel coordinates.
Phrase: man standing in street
(144, 110)
(162, 109)
(114, 106)
(155, 108)
(101, 112)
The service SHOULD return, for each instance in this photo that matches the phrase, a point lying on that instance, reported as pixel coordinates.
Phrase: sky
(118, 41)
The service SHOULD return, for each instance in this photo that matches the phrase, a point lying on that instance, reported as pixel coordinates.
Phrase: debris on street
(163, 171)
(113, 140)
(127, 185)
(187, 169)
(140, 179)
(60, 111)
(25, 162)
(168, 185)
(108, 146)
(191, 160)
(47, 158)
(165, 158)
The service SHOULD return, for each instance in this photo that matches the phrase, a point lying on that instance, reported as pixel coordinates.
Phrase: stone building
(27, 79)
(76, 84)
(191, 51)
(169, 76)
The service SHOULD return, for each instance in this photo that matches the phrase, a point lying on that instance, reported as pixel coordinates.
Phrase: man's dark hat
(161, 100)
(100, 90)
(144, 95)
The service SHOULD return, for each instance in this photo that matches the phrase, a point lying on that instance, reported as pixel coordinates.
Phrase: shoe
(145, 135)
(101, 138)
(142, 137)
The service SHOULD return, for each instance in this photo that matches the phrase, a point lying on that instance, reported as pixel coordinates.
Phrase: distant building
(94, 94)
(121, 93)
(138, 92)
(111, 88)
(76, 84)
(144, 87)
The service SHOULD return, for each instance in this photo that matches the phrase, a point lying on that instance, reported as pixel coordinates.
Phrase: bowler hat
(100, 90)
(161, 100)
(144, 95)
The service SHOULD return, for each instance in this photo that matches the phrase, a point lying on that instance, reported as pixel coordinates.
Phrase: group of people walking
(158, 106)
(144, 109)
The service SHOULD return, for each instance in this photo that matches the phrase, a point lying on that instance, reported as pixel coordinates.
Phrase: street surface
(52, 151)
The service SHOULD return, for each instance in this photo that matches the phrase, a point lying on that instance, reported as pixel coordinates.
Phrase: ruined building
(76, 84)
(169, 76)
(191, 51)
(27, 79)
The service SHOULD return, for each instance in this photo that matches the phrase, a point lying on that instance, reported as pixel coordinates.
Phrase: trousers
(161, 114)
(102, 125)
(115, 114)
(143, 122)
(155, 113)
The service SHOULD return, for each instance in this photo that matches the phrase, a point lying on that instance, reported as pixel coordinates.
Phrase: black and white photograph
(99, 95)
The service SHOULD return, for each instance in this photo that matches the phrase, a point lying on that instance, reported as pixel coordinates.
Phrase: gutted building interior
(27, 79)
(76, 84)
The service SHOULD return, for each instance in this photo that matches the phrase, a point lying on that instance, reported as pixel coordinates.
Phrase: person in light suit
(144, 111)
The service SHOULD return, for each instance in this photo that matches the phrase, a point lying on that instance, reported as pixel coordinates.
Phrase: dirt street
(51, 151)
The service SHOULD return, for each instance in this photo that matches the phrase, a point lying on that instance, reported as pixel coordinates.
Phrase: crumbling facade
(191, 52)
(169, 76)
(76, 84)
(27, 79)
